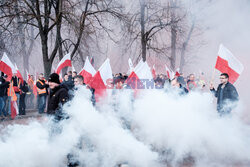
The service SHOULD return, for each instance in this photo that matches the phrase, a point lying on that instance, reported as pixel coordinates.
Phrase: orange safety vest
(31, 83)
(41, 91)
(17, 88)
(11, 92)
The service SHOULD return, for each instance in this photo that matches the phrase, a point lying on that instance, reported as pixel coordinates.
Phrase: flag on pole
(6, 66)
(87, 72)
(19, 75)
(170, 73)
(101, 80)
(65, 62)
(177, 72)
(140, 73)
(227, 63)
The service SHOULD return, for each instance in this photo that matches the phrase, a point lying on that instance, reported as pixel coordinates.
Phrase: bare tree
(48, 17)
(155, 20)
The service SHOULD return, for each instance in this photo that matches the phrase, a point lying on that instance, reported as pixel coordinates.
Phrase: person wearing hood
(58, 96)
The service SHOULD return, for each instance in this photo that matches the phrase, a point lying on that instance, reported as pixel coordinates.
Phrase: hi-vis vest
(41, 91)
(11, 92)
(12, 89)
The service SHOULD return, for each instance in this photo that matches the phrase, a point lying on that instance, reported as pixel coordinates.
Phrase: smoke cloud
(158, 127)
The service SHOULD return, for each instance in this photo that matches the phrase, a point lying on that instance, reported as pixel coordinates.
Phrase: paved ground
(21, 119)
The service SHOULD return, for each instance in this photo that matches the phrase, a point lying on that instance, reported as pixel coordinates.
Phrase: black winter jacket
(229, 94)
(3, 87)
(57, 97)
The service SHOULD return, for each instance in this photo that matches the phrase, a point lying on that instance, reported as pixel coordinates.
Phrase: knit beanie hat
(54, 77)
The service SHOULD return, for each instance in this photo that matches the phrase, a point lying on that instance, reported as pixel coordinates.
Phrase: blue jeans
(18, 99)
(41, 104)
(2, 104)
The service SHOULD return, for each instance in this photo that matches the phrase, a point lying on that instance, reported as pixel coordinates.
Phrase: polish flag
(153, 72)
(227, 63)
(6, 66)
(19, 75)
(141, 72)
(87, 72)
(177, 72)
(170, 73)
(65, 62)
(14, 109)
(102, 80)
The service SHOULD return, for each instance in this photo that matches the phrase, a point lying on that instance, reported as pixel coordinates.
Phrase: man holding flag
(226, 93)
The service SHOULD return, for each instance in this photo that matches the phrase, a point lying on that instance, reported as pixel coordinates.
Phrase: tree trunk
(46, 62)
(47, 68)
(143, 35)
(173, 38)
(173, 46)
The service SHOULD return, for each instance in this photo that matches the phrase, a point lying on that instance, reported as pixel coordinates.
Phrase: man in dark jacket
(226, 95)
(67, 81)
(42, 93)
(24, 89)
(58, 96)
(16, 85)
(70, 80)
(3, 87)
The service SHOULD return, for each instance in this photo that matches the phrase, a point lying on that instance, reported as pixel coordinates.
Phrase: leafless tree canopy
(48, 29)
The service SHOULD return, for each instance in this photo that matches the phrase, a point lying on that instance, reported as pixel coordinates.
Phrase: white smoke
(154, 129)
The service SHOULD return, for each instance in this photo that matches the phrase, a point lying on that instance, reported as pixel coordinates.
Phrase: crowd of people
(49, 96)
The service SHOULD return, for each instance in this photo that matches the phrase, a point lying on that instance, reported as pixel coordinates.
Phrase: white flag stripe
(233, 62)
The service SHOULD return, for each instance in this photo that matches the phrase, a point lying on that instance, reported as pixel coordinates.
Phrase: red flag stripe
(222, 66)
(6, 69)
(66, 63)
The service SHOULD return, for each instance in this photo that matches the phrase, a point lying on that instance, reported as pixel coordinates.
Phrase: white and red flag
(65, 62)
(137, 77)
(87, 72)
(153, 72)
(14, 109)
(19, 75)
(227, 63)
(6, 66)
(170, 73)
(177, 72)
(101, 80)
